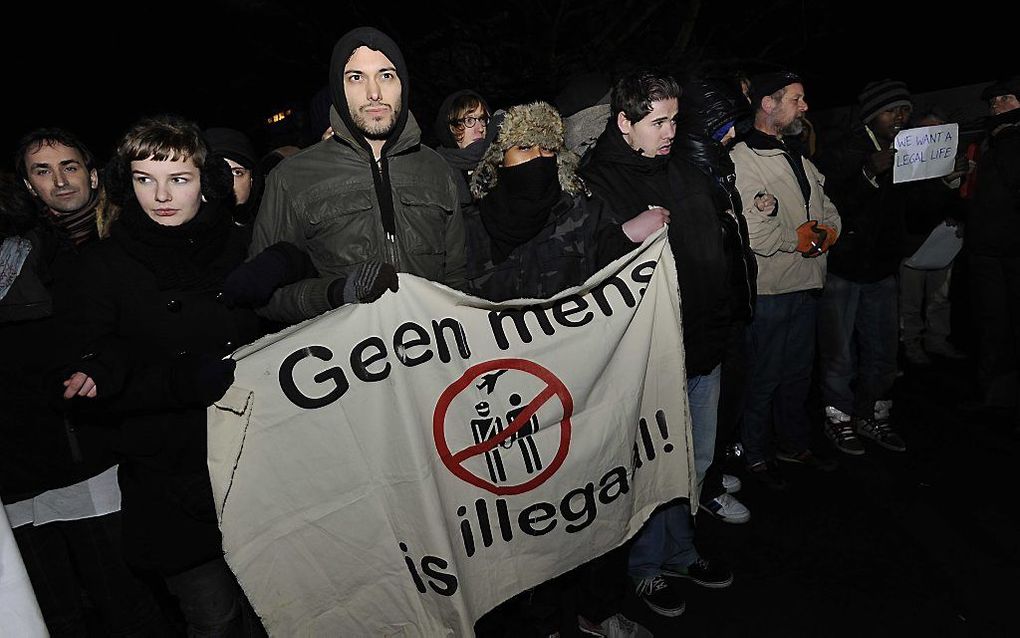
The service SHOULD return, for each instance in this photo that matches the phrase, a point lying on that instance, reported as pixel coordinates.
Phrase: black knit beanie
(768, 83)
(882, 96)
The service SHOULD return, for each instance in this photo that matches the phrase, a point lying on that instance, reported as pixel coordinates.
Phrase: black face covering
(519, 206)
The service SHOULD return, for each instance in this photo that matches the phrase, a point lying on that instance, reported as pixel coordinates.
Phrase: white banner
(402, 467)
(925, 152)
(18, 607)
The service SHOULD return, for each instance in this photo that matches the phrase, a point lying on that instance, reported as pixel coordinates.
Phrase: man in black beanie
(857, 316)
(791, 224)
(370, 200)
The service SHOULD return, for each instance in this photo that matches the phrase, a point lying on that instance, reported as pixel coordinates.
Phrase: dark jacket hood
(707, 105)
(442, 128)
(345, 47)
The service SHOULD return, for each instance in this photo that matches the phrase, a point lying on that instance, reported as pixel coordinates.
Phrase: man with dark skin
(857, 318)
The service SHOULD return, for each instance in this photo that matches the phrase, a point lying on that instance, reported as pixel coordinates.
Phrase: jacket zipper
(390, 245)
(743, 253)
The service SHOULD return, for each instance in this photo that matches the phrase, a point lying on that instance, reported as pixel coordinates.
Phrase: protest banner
(402, 467)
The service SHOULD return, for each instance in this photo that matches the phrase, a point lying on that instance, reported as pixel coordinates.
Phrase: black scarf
(189, 256)
(519, 206)
(464, 160)
(80, 225)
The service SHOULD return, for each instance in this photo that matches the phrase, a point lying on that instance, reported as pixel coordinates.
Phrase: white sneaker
(727, 509)
(617, 626)
(731, 483)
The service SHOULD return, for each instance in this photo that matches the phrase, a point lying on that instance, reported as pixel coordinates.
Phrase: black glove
(366, 284)
(253, 283)
(201, 380)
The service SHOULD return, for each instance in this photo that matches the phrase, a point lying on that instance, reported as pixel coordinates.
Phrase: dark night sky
(234, 62)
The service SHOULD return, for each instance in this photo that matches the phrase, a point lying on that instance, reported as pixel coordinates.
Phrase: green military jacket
(323, 201)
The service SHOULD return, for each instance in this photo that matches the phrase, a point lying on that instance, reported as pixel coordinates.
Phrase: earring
(204, 200)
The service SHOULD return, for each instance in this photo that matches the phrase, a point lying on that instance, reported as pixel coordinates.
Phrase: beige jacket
(781, 268)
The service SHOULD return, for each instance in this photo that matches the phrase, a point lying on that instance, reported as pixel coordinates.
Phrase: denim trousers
(780, 357)
(857, 342)
(667, 538)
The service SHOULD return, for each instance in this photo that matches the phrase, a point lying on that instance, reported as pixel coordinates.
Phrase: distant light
(279, 117)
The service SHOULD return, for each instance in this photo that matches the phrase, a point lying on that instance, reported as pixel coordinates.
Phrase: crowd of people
(123, 288)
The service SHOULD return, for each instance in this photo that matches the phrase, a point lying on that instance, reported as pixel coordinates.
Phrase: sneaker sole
(698, 581)
(735, 520)
(668, 613)
(845, 450)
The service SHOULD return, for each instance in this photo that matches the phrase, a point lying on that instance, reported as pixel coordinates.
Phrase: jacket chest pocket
(343, 230)
(422, 220)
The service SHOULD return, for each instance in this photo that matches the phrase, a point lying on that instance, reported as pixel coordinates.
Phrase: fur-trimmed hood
(535, 124)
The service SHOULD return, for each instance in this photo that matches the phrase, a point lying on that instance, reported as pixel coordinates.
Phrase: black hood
(709, 104)
(345, 47)
(442, 127)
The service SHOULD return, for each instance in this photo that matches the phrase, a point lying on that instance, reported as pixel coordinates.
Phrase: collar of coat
(408, 139)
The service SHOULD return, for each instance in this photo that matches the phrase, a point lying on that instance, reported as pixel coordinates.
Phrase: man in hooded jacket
(371, 194)
(632, 168)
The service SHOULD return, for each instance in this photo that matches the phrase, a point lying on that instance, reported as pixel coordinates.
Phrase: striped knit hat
(882, 96)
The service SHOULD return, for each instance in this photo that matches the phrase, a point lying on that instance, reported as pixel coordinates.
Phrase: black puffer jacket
(148, 302)
(713, 160)
(630, 184)
(707, 107)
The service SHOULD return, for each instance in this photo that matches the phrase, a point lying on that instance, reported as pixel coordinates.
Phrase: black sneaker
(808, 458)
(702, 572)
(767, 474)
(660, 596)
(880, 432)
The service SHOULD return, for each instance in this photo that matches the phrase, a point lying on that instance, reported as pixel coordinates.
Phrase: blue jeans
(781, 355)
(668, 536)
(857, 342)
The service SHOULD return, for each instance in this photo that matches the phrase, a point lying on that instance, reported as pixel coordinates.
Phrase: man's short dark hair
(634, 93)
(34, 140)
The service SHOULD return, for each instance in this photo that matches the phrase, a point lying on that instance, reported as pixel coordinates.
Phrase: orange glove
(830, 237)
(809, 240)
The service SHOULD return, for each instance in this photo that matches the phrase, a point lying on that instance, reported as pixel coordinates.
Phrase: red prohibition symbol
(455, 461)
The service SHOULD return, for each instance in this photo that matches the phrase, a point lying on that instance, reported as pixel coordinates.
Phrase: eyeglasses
(469, 122)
